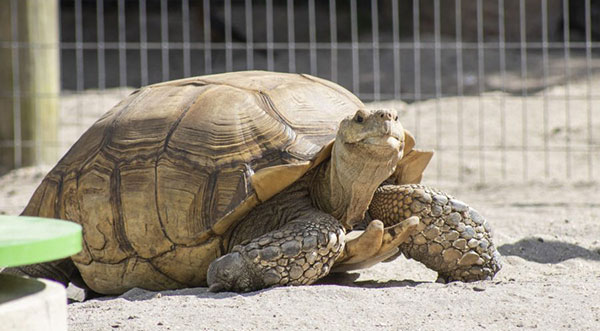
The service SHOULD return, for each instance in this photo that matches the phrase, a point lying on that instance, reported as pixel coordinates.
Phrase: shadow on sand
(341, 279)
(350, 280)
(547, 251)
(138, 294)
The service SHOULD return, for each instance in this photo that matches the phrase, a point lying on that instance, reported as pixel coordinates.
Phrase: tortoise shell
(158, 178)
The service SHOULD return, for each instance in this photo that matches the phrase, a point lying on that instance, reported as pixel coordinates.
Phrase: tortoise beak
(385, 141)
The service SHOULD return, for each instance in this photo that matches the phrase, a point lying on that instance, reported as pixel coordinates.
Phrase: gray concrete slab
(32, 304)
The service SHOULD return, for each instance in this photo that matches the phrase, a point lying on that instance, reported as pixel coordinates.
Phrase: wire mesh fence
(504, 90)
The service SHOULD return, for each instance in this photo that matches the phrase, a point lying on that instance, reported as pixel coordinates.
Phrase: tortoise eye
(396, 118)
(359, 119)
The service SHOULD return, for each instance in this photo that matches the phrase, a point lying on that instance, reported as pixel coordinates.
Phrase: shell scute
(99, 216)
(141, 222)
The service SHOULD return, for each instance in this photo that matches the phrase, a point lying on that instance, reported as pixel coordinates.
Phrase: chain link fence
(504, 90)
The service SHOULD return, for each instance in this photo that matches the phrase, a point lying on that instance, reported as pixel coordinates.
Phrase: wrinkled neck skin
(345, 185)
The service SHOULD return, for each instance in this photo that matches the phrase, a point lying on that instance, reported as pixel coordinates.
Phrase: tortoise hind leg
(62, 271)
(452, 238)
(300, 252)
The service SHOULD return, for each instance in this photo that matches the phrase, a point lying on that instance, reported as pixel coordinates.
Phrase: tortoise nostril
(386, 115)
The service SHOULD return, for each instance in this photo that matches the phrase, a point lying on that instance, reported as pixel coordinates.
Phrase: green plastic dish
(28, 240)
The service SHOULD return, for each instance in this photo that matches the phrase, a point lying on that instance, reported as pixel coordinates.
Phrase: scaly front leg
(452, 238)
(300, 252)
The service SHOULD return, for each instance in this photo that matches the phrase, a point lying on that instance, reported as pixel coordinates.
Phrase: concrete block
(32, 304)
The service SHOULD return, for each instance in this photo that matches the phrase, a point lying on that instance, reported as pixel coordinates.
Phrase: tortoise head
(374, 134)
(365, 153)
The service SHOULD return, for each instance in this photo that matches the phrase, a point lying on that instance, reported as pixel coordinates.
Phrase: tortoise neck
(344, 186)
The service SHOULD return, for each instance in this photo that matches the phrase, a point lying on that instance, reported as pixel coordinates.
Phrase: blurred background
(505, 91)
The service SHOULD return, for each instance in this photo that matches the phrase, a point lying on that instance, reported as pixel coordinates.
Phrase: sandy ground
(546, 229)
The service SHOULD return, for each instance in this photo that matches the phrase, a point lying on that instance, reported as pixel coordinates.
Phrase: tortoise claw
(375, 244)
(366, 263)
(216, 287)
(397, 234)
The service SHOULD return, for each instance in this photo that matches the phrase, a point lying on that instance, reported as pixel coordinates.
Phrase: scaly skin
(452, 238)
(299, 253)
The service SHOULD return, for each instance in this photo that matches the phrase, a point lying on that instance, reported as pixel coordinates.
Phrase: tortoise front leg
(300, 252)
(452, 238)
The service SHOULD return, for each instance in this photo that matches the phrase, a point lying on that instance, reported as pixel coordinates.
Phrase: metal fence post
(29, 82)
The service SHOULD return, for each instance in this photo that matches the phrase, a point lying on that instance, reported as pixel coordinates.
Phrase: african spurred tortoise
(246, 180)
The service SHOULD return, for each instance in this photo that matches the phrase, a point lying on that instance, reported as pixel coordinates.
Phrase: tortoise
(246, 180)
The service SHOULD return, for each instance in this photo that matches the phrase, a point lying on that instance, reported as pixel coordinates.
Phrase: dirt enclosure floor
(548, 232)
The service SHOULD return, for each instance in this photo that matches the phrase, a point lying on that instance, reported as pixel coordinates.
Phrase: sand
(546, 228)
